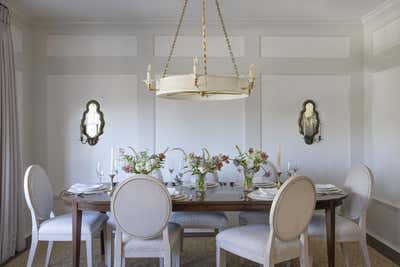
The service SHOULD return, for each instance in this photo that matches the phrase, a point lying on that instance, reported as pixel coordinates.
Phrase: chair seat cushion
(253, 217)
(250, 241)
(214, 220)
(345, 229)
(132, 244)
(62, 224)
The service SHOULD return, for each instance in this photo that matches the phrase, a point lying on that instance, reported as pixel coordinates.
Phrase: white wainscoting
(189, 46)
(385, 127)
(386, 37)
(219, 126)
(91, 45)
(69, 161)
(282, 98)
(17, 39)
(305, 47)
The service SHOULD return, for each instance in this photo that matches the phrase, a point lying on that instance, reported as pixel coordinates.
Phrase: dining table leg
(76, 233)
(330, 234)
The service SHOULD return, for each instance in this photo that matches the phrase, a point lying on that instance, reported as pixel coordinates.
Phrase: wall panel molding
(91, 45)
(305, 47)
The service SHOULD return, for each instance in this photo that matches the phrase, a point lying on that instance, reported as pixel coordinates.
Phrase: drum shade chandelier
(201, 86)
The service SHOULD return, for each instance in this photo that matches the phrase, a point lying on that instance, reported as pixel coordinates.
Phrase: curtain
(10, 172)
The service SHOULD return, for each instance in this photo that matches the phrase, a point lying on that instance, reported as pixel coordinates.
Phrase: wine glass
(296, 167)
(99, 171)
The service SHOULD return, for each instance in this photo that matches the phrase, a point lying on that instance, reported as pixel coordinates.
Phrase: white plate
(260, 196)
(212, 184)
(85, 188)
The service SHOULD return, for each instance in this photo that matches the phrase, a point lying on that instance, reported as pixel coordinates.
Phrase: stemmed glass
(293, 168)
(99, 172)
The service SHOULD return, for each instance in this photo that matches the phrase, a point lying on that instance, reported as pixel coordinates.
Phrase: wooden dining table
(221, 198)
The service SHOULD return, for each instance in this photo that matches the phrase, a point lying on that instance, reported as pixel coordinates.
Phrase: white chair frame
(51, 238)
(169, 254)
(269, 259)
(358, 215)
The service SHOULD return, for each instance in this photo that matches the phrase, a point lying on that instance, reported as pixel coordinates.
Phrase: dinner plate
(179, 197)
(212, 184)
(265, 185)
(258, 195)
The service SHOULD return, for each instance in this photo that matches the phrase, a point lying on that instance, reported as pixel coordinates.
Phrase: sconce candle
(278, 159)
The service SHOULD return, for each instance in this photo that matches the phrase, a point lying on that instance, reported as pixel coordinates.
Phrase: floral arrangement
(251, 162)
(202, 164)
(141, 162)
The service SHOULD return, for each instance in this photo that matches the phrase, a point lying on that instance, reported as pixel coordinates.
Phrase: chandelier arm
(171, 52)
(228, 42)
(204, 31)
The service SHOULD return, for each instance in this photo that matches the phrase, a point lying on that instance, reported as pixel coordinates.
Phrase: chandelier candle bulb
(148, 74)
(251, 72)
(195, 64)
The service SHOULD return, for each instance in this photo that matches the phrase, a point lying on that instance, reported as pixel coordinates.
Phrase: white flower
(202, 170)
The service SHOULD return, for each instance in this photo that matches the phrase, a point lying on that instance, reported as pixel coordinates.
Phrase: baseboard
(382, 248)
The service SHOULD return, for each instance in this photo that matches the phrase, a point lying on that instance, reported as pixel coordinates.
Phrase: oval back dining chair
(252, 217)
(285, 238)
(351, 223)
(46, 226)
(141, 207)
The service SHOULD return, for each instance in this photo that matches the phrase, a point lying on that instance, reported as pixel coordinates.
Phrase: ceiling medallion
(201, 86)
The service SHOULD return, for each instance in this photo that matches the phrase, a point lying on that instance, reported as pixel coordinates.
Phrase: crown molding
(173, 21)
(386, 6)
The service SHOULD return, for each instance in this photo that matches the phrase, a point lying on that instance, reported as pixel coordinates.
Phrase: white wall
(65, 77)
(382, 145)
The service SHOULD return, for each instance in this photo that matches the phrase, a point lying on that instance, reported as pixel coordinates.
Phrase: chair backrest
(141, 206)
(38, 193)
(359, 185)
(292, 208)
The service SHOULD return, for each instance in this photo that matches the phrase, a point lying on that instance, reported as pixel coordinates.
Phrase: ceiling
(169, 9)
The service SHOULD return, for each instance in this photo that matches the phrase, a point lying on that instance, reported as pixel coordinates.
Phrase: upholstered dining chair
(46, 226)
(254, 217)
(351, 222)
(141, 208)
(216, 221)
(285, 238)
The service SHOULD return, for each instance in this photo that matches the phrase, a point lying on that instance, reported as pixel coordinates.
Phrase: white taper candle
(112, 162)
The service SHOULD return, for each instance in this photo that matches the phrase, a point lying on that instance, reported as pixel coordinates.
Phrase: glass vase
(248, 180)
(201, 183)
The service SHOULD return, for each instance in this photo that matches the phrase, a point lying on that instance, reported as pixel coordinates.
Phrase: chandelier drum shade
(201, 86)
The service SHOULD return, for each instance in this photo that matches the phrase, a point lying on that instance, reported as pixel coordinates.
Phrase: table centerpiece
(250, 162)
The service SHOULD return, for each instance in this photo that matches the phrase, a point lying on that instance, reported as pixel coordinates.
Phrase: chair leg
(182, 235)
(221, 257)
(123, 262)
(364, 252)
(167, 260)
(89, 256)
(48, 254)
(161, 262)
(176, 257)
(32, 251)
(344, 255)
(109, 244)
(304, 258)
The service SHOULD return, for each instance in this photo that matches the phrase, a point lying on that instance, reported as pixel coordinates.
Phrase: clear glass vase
(201, 183)
(248, 180)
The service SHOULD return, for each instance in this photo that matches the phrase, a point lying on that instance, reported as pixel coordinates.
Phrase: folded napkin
(85, 188)
(268, 191)
(172, 191)
(327, 189)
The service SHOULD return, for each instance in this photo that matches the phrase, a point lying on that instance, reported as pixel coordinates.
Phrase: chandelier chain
(171, 52)
(228, 42)
(204, 29)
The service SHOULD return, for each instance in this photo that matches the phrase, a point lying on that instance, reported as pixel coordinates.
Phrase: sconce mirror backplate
(92, 123)
(309, 123)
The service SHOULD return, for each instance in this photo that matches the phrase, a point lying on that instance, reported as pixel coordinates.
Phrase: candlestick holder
(278, 180)
(112, 187)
